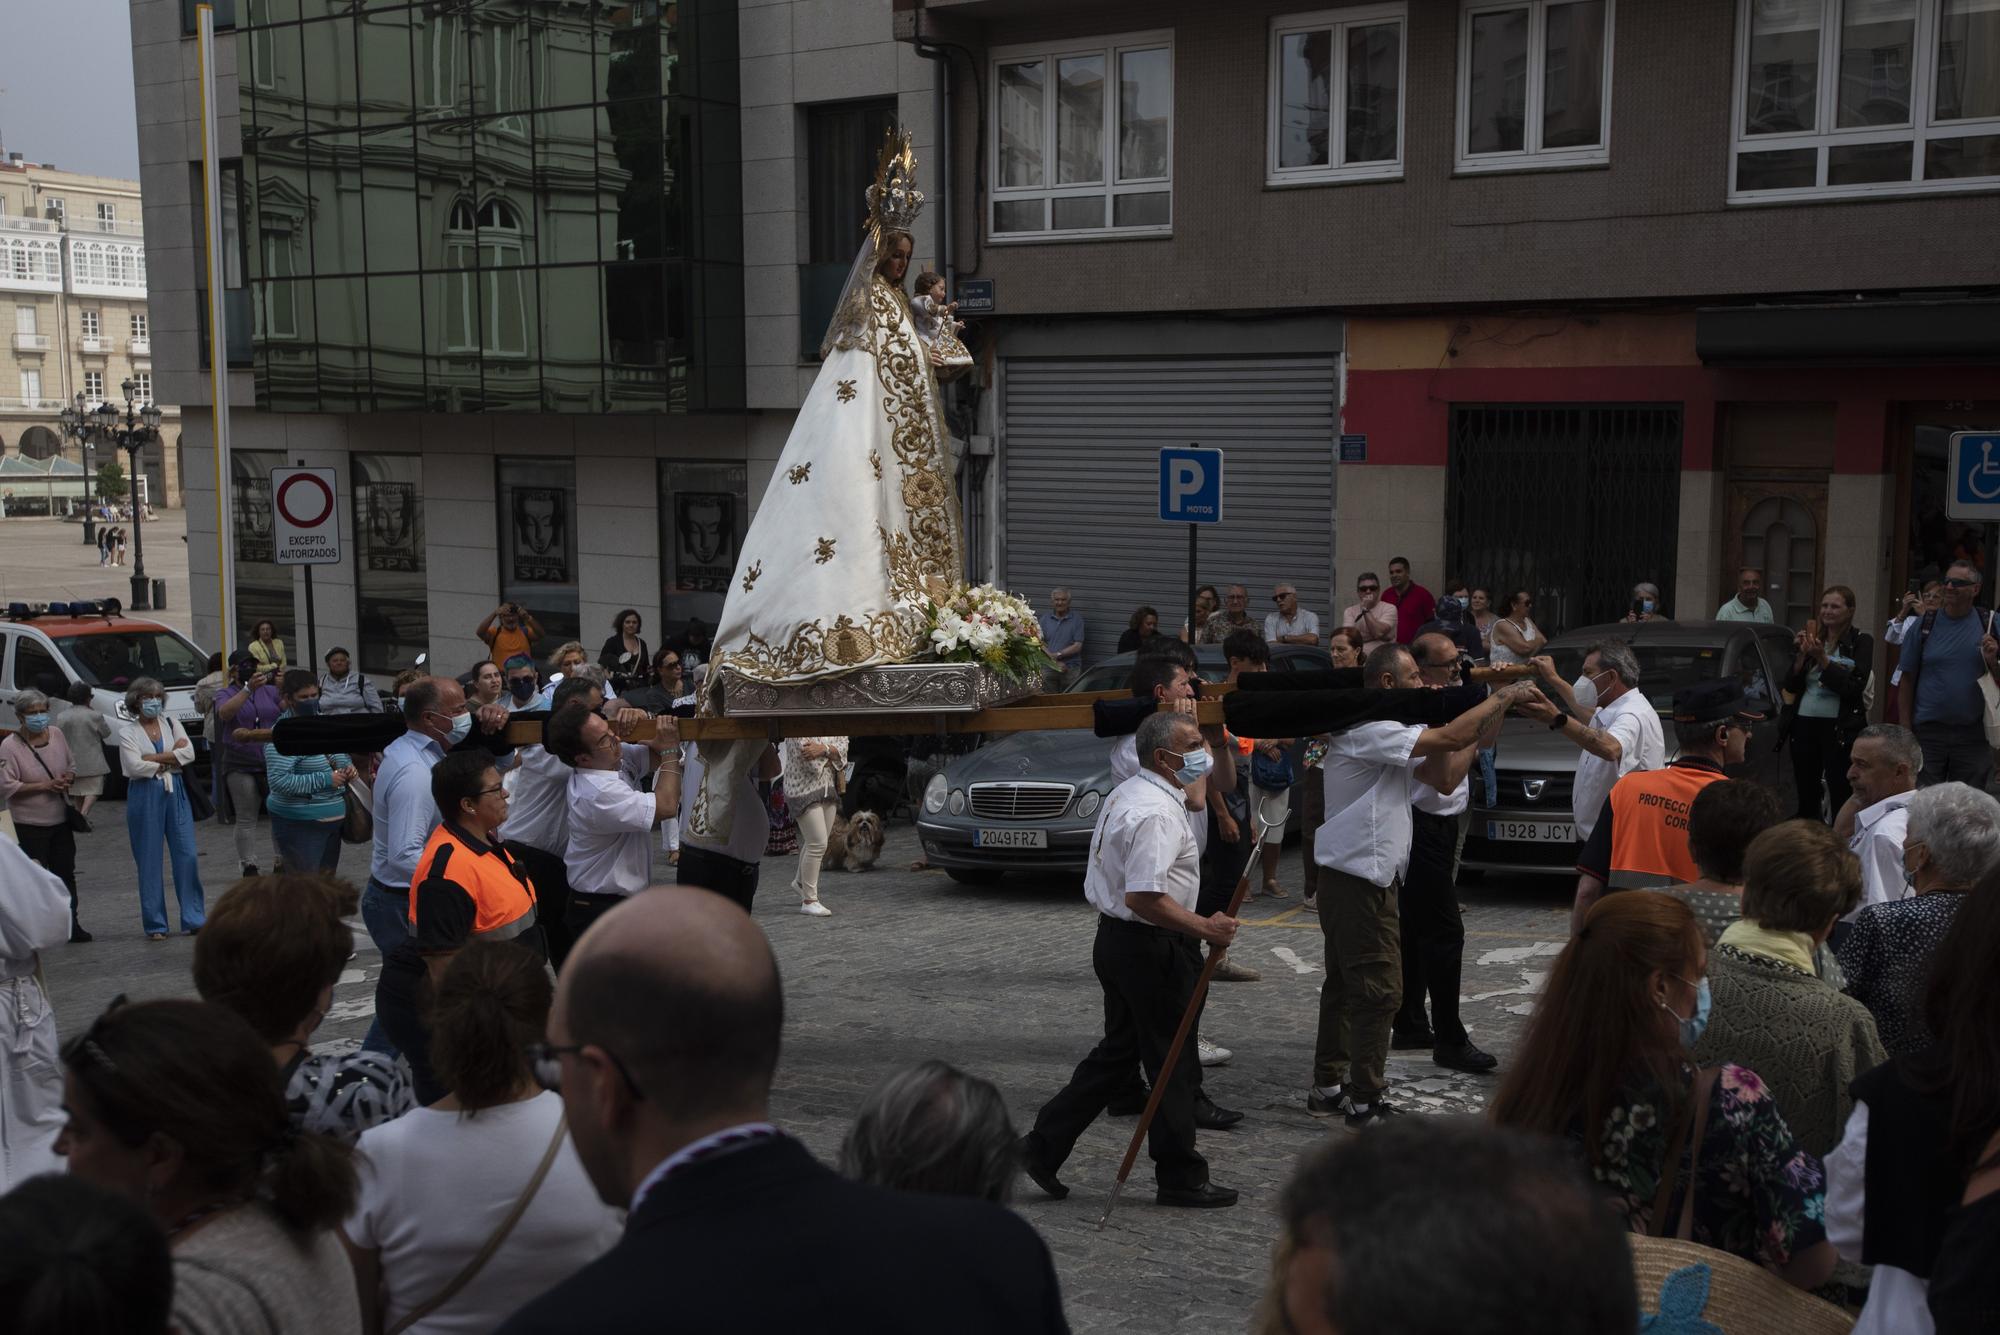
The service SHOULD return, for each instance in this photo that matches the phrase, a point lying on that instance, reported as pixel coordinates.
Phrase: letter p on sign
(1191, 485)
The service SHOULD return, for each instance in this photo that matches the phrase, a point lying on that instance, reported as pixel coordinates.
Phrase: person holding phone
(509, 630)
(1919, 597)
(249, 705)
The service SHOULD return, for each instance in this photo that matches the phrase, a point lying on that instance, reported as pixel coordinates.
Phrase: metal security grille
(1020, 801)
(1577, 504)
(1080, 475)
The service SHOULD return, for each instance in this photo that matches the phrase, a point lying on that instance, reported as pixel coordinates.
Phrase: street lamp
(77, 426)
(134, 430)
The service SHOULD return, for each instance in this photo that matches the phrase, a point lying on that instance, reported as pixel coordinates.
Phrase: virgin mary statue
(859, 524)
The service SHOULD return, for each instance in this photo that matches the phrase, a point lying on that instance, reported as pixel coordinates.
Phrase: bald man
(663, 1041)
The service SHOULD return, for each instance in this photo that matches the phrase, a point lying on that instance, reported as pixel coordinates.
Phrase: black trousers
(718, 872)
(54, 846)
(1819, 758)
(1148, 975)
(585, 909)
(1433, 930)
(551, 877)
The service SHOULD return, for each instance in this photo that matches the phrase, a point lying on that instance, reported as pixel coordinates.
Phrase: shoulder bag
(357, 823)
(75, 819)
(492, 1245)
(1695, 1114)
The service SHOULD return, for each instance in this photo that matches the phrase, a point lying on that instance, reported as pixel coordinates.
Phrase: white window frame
(31, 385)
(57, 205)
(1918, 132)
(90, 324)
(93, 386)
(107, 216)
(142, 387)
(1336, 21)
(1110, 49)
(141, 326)
(1531, 156)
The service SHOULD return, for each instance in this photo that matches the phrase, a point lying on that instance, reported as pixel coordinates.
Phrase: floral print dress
(1757, 1194)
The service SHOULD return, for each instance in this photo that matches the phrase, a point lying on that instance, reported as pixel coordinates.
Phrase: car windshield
(114, 659)
(1118, 676)
(1666, 668)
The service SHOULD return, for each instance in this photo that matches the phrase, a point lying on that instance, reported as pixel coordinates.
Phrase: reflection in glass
(263, 589)
(1305, 96)
(1861, 164)
(1496, 117)
(1975, 155)
(633, 173)
(384, 52)
(396, 322)
(1573, 76)
(341, 312)
(1020, 215)
(389, 197)
(704, 511)
(282, 199)
(538, 542)
(1783, 169)
(1877, 42)
(337, 228)
(1374, 92)
(572, 341)
(1782, 93)
(1022, 130)
(499, 59)
(1145, 113)
(1153, 209)
(332, 96)
(1078, 214)
(1968, 67)
(389, 588)
(1079, 120)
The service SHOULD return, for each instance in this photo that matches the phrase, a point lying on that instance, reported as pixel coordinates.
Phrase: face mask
(522, 688)
(306, 708)
(152, 708)
(1646, 605)
(1194, 765)
(461, 724)
(35, 722)
(1693, 1025)
(1585, 691)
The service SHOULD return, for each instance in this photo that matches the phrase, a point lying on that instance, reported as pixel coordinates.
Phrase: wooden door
(1778, 525)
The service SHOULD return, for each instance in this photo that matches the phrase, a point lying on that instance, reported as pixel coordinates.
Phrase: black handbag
(200, 805)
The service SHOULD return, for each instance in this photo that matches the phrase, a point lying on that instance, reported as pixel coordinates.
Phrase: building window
(1843, 98)
(24, 319)
(538, 543)
(1336, 84)
(277, 309)
(1084, 140)
(54, 208)
(93, 386)
(139, 325)
(1534, 85)
(142, 387)
(486, 302)
(263, 587)
(843, 141)
(107, 217)
(31, 385)
(92, 324)
(389, 572)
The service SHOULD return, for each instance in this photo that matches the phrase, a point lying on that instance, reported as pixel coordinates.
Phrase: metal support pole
(1194, 531)
(142, 592)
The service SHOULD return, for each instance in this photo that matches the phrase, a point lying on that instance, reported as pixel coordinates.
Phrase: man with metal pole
(1144, 878)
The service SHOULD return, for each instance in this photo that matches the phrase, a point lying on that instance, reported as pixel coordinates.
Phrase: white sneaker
(815, 909)
(1211, 1054)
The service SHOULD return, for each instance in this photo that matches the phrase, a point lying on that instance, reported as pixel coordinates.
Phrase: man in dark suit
(663, 1041)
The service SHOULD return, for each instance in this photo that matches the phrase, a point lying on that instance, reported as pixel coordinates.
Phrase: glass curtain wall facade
(493, 205)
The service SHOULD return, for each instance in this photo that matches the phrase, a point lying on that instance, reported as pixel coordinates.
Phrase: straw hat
(1688, 1289)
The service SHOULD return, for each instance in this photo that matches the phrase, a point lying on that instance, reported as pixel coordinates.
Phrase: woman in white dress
(1516, 637)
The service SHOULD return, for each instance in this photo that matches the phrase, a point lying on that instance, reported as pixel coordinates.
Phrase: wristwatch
(1561, 720)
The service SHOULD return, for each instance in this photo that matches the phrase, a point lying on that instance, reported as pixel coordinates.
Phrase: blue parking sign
(1975, 476)
(1191, 485)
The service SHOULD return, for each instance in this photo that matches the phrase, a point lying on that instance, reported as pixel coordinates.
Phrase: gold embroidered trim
(752, 575)
(845, 391)
(875, 462)
(798, 473)
(822, 551)
(698, 817)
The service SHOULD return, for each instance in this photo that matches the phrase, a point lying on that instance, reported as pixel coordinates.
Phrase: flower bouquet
(988, 626)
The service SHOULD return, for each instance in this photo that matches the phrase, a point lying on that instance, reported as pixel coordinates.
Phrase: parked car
(1531, 827)
(47, 646)
(1028, 801)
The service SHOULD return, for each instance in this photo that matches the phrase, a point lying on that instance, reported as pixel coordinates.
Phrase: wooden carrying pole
(1259, 828)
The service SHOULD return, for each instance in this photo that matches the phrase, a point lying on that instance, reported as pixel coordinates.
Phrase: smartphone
(1638, 607)
(1914, 586)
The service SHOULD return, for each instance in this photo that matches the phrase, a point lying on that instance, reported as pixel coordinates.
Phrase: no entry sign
(305, 521)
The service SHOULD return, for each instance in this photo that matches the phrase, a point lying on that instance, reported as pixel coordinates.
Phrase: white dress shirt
(1632, 719)
(1142, 845)
(1368, 779)
(405, 815)
(1429, 800)
(609, 851)
(538, 796)
(1305, 623)
(1878, 842)
(1898, 1301)
(1125, 763)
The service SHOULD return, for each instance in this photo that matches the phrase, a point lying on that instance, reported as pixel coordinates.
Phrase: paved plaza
(47, 560)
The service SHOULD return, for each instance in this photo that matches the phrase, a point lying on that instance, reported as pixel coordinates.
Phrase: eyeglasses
(545, 1063)
(668, 665)
(1961, 584)
(1368, 588)
(496, 788)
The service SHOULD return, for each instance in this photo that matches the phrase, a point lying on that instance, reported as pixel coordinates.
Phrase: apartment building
(1551, 294)
(73, 272)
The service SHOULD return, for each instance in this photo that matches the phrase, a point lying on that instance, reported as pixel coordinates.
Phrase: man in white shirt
(1748, 604)
(1882, 768)
(609, 855)
(1290, 624)
(1363, 849)
(1624, 730)
(1144, 879)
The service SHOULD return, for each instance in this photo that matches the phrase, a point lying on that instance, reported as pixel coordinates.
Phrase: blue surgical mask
(1194, 764)
(461, 724)
(306, 708)
(1646, 605)
(152, 708)
(35, 722)
(1693, 1025)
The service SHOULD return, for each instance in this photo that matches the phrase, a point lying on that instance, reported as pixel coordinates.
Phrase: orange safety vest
(1649, 826)
(503, 897)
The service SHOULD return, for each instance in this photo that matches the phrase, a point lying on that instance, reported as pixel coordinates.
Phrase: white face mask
(1585, 691)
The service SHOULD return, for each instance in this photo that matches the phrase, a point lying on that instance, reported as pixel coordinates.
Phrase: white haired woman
(155, 753)
(35, 775)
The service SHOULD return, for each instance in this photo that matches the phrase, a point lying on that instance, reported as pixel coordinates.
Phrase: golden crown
(894, 200)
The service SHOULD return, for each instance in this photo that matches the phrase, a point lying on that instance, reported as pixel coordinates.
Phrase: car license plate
(1532, 831)
(1010, 838)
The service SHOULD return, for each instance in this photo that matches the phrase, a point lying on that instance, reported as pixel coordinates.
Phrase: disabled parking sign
(1975, 476)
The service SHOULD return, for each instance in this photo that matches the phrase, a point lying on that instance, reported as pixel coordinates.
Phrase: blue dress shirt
(405, 815)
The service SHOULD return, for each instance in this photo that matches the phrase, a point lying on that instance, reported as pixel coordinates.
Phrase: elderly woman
(931, 1127)
(33, 917)
(154, 753)
(246, 708)
(1702, 1155)
(1772, 1013)
(308, 793)
(35, 775)
(89, 737)
(1952, 842)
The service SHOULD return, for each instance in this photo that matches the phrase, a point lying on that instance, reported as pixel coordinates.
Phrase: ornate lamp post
(78, 426)
(134, 430)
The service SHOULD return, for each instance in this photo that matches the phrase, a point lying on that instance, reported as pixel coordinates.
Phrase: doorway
(1777, 525)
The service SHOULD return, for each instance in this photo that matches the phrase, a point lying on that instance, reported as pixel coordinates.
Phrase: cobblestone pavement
(997, 980)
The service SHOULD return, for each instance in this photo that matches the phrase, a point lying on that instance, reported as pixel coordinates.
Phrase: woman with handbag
(154, 753)
(308, 799)
(249, 706)
(624, 654)
(1830, 682)
(1697, 1154)
(475, 1205)
(35, 777)
(813, 784)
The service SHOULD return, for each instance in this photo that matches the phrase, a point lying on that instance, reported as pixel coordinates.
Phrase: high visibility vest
(1649, 826)
(503, 898)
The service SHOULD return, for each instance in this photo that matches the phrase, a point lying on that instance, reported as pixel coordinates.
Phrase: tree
(111, 481)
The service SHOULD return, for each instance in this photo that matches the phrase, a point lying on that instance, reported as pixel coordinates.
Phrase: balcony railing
(18, 404)
(93, 345)
(140, 346)
(14, 222)
(31, 342)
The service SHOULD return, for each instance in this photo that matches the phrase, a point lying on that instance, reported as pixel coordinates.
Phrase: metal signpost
(1191, 494)
(305, 527)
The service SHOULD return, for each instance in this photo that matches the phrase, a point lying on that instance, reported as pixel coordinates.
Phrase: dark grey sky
(66, 66)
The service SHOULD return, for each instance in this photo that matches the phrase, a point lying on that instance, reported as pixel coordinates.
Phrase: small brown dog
(855, 843)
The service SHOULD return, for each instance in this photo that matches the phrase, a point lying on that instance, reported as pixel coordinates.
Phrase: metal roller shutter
(1080, 478)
